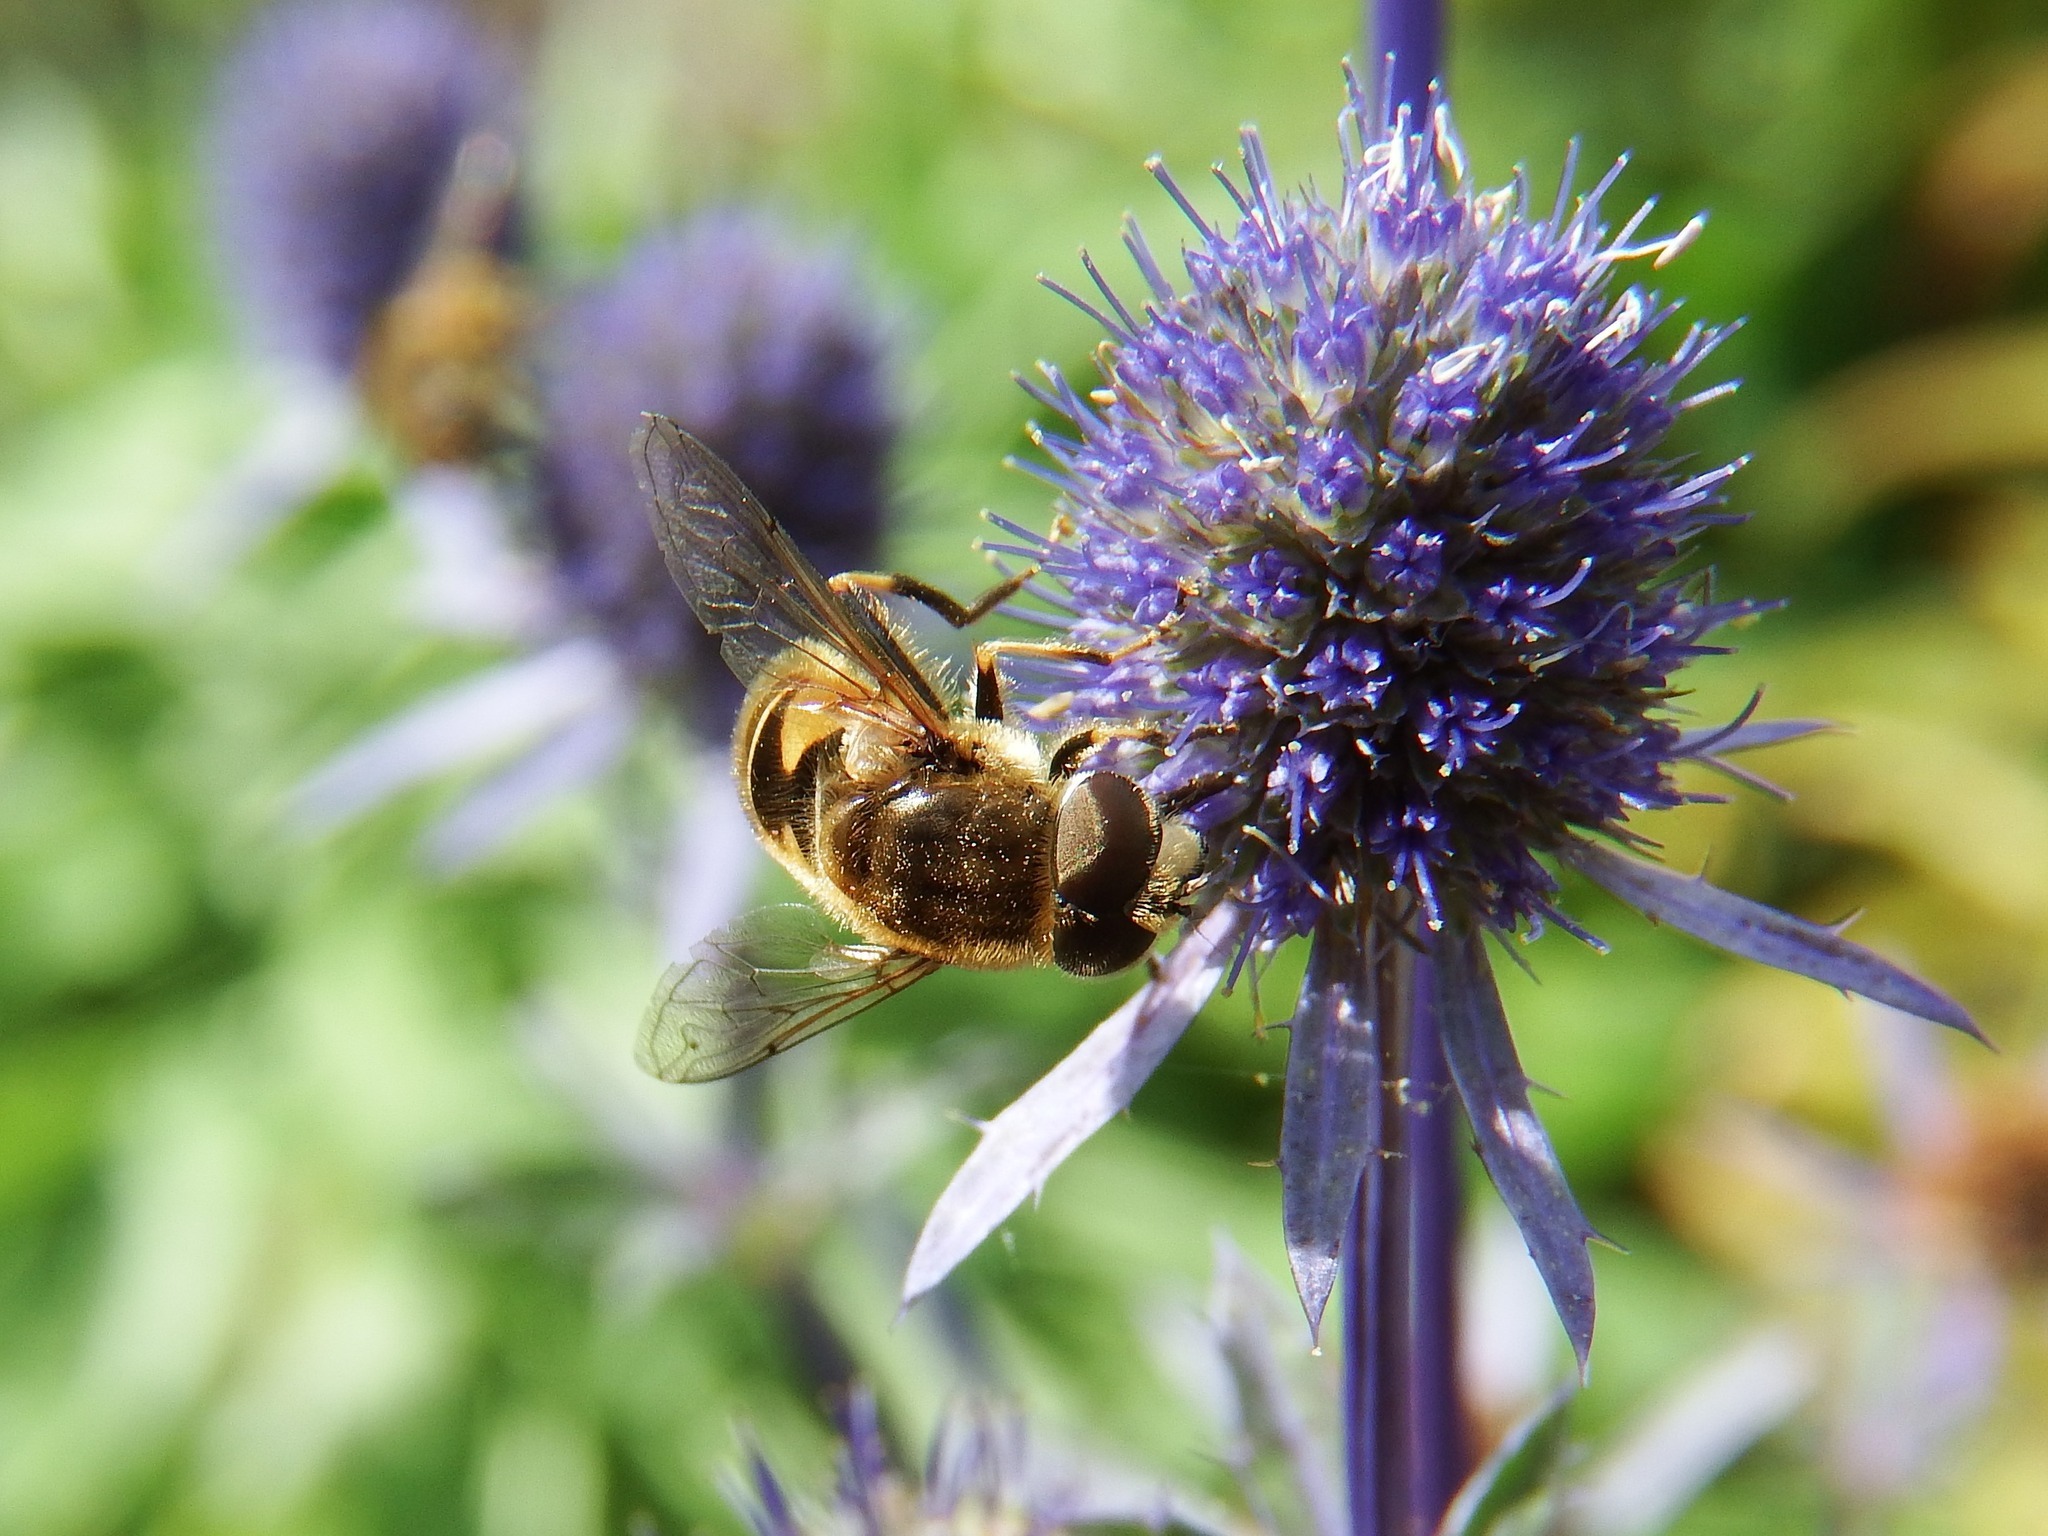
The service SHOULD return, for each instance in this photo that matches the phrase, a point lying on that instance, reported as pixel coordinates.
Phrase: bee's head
(1120, 872)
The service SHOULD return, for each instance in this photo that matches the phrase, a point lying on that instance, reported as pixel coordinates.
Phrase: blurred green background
(300, 1229)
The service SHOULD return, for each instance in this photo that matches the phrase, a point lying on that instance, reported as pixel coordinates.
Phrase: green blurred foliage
(297, 1238)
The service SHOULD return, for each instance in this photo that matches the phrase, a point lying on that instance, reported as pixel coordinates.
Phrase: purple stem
(1404, 1433)
(1413, 32)
(1362, 1364)
(1435, 1209)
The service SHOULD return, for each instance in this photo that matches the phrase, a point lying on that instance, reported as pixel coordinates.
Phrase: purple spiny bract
(1387, 483)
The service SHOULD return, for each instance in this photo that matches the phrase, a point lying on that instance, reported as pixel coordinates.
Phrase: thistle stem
(1435, 1205)
(1413, 32)
(1403, 1430)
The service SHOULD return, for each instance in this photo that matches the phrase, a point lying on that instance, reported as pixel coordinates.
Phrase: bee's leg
(944, 604)
(988, 677)
(988, 684)
(1194, 792)
(1066, 757)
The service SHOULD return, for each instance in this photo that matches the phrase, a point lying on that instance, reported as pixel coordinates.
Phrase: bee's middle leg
(944, 604)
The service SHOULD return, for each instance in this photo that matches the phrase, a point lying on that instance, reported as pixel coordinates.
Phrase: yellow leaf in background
(1926, 658)
(1780, 1042)
(1963, 814)
(1955, 406)
(2000, 1485)
(2007, 569)
(1982, 202)
(1760, 1196)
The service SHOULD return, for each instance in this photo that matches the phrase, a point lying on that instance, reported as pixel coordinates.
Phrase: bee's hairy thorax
(943, 855)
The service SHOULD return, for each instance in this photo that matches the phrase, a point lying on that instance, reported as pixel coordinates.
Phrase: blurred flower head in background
(337, 131)
(440, 369)
(769, 348)
(983, 1476)
(773, 349)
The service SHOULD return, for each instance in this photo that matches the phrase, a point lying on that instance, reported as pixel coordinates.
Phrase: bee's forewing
(768, 980)
(752, 587)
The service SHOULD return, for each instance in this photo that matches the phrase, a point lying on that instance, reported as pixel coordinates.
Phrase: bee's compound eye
(1105, 840)
(1086, 945)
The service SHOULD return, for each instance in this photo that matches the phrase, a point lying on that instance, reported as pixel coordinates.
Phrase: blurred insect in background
(439, 369)
(368, 231)
(926, 823)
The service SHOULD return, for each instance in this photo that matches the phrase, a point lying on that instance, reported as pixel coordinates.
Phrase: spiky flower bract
(767, 348)
(337, 126)
(1388, 486)
(1373, 526)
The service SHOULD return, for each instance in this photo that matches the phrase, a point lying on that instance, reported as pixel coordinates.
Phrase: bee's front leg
(988, 677)
(1176, 801)
(1067, 756)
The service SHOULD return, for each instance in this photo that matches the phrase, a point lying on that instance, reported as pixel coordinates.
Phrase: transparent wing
(752, 587)
(768, 980)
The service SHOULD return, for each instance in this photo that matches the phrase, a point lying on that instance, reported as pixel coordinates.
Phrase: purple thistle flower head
(336, 129)
(1372, 525)
(771, 351)
(1388, 485)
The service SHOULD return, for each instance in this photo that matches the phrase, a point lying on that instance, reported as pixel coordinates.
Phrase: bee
(923, 821)
(438, 369)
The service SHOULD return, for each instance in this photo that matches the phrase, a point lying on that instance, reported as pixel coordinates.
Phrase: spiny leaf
(1330, 1123)
(1021, 1147)
(1757, 932)
(1512, 1142)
